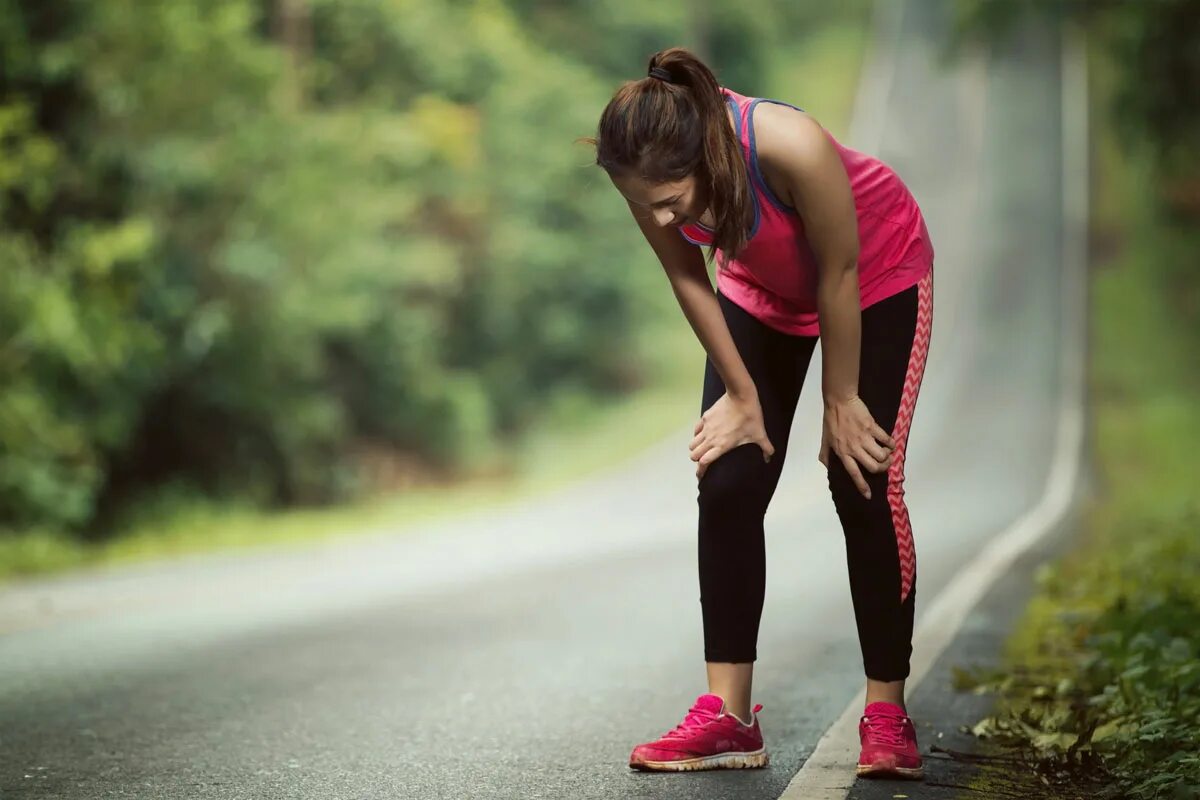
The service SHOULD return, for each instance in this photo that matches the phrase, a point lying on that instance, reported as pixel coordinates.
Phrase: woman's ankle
(732, 683)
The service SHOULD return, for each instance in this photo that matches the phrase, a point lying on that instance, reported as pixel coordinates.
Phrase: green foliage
(1155, 101)
(1101, 689)
(267, 265)
(1109, 691)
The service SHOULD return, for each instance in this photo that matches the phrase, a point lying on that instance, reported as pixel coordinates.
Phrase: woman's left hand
(729, 423)
(852, 433)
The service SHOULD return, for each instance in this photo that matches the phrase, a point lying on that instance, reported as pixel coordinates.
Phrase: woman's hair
(669, 127)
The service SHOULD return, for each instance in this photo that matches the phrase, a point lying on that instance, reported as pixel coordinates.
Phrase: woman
(811, 240)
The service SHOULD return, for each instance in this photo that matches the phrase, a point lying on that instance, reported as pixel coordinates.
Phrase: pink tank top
(775, 276)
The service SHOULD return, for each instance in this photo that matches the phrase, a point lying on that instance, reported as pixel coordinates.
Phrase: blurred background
(290, 254)
(337, 275)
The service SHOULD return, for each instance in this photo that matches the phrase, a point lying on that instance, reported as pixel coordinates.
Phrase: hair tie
(661, 74)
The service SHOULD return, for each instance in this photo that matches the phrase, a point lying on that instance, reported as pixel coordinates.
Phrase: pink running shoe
(889, 743)
(708, 738)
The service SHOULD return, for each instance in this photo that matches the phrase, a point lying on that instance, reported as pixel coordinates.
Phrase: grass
(1100, 689)
(578, 437)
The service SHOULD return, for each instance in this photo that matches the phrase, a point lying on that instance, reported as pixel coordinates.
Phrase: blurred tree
(249, 245)
(206, 283)
(1155, 45)
(291, 25)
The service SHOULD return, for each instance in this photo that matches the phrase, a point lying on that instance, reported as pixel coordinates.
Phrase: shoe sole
(872, 771)
(751, 760)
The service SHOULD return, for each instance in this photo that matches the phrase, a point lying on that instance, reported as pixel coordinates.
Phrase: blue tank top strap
(741, 118)
(755, 170)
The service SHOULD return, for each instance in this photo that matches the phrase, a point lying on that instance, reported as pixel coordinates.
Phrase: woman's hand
(729, 423)
(852, 433)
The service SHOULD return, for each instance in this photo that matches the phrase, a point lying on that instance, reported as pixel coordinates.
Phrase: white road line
(828, 773)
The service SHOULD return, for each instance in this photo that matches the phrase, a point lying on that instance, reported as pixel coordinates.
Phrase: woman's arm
(795, 151)
(797, 157)
(737, 418)
(683, 262)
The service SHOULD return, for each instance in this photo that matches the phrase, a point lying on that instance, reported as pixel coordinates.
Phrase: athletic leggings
(736, 488)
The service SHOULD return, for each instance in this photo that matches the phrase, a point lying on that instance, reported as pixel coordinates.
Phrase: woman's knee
(843, 488)
(739, 476)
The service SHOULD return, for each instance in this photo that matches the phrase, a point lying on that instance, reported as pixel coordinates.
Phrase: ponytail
(672, 124)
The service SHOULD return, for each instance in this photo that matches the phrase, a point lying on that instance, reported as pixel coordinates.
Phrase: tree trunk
(291, 26)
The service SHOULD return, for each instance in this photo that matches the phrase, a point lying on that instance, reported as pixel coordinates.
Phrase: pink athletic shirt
(775, 277)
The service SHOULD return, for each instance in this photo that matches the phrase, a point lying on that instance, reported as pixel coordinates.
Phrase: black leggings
(737, 487)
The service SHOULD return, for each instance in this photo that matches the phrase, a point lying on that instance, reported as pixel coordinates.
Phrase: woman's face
(673, 203)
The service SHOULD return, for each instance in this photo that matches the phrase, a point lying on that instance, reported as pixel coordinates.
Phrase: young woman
(811, 240)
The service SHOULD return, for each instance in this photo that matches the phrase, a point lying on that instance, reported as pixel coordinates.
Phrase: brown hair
(666, 130)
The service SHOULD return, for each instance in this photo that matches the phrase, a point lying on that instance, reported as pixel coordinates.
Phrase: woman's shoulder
(784, 138)
(778, 125)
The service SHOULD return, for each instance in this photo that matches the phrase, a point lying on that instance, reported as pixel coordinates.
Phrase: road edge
(828, 772)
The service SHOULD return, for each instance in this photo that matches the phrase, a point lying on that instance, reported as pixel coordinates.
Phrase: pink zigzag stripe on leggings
(908, 402)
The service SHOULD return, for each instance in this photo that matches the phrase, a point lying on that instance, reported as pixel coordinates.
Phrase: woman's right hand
(729, 423)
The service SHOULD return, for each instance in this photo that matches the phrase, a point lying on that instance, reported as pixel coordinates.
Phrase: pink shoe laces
(884, 729)
(695, 718)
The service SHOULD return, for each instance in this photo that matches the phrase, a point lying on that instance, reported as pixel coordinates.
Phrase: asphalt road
(521, 652)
